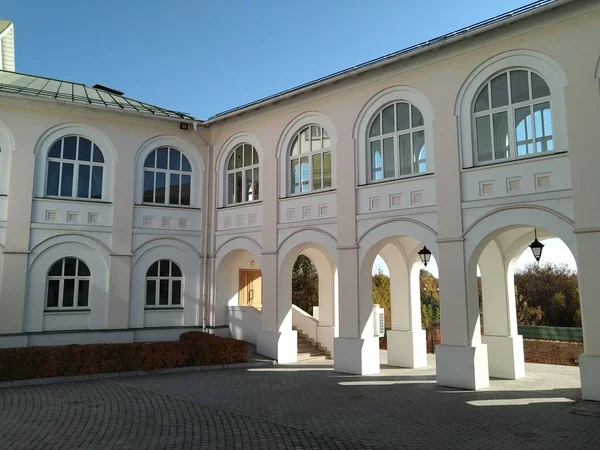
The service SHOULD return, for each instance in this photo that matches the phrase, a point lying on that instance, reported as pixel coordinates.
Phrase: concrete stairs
(308, 349)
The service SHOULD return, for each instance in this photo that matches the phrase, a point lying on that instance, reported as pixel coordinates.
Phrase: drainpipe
(205, 230)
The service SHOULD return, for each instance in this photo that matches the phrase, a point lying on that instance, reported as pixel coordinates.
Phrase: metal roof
(48, 88)
(395, 56)
(4, 24)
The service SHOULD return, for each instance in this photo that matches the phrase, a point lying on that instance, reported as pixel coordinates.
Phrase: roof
(48, 88)
(4, 24)
(476, 28)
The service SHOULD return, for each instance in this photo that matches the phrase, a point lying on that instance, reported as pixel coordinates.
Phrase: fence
(551, 333)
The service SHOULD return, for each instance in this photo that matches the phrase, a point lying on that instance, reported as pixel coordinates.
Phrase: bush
(193, 349)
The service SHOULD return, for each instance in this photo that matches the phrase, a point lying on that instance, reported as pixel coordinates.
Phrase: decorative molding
(586, 230)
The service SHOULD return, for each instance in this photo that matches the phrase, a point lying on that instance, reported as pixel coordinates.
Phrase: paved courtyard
(299, 406)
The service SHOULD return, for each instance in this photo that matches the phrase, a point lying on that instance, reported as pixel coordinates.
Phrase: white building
(119, 225)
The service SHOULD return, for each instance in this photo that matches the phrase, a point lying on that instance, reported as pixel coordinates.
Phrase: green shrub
(193, 349)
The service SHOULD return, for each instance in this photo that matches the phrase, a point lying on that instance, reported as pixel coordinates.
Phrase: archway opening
(408, 293)
(520, 297)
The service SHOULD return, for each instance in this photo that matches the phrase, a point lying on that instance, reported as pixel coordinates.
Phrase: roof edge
(515, 15)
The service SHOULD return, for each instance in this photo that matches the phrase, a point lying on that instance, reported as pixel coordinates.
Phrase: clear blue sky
(203, 57)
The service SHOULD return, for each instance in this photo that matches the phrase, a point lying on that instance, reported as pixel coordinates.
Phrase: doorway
(250, 292)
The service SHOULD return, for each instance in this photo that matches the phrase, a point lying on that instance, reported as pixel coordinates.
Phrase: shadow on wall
(244, 323)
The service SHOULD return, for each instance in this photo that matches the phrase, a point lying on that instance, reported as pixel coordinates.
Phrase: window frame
(510, 109)
(61, 278)
(170, 279)
(411, 130)
(310, 155)
(253, 166)
(168, 172)
(77, 163)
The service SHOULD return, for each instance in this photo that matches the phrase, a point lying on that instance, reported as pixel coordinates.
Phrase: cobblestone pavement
(298, 406)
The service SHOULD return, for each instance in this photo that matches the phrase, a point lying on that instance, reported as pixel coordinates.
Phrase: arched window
(242, 175)
(167, 177)
(310, 160)
(397, 142)
(512, 117)
(75, 169)
(163, 284)
(68, 285)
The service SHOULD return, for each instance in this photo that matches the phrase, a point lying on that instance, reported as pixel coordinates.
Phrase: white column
(505, 346)
(461, 358)
(588, 249)
(406, 341)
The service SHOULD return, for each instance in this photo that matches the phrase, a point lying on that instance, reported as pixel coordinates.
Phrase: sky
(204, 57)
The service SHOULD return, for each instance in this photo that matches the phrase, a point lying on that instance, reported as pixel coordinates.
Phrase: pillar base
(282, 346)
(325, 337)
(589, 371)
(407, 348)
(356, 356)
(505, 356)
(462, 367)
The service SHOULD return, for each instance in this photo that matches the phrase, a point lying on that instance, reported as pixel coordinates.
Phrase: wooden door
(250, 293)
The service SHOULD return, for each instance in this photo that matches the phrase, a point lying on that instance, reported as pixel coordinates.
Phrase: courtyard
(304, 405)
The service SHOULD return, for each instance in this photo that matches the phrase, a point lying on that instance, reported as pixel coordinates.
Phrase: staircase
(308, 349)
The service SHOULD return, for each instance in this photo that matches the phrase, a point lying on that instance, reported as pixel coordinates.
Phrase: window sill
(398, 180)
(73, 200)
(164, 308)
(518, 160)
(240, 205)
(303, 194)
(67, 311)
(153, 205)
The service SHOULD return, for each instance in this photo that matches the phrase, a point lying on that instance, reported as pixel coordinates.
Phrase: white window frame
(252, 166)
(61, 278)
(310, 155)
(510, 109)
(538, 62)
(76, 165)
(168, 172)
(157, 279)
(396, 135)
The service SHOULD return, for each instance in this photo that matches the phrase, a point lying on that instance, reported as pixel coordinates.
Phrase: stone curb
(132, 374)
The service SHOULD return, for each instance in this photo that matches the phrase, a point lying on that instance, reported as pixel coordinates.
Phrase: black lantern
(425, 255)
(536, 247)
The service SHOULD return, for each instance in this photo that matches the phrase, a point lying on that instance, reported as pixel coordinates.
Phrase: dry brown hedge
(193, 349)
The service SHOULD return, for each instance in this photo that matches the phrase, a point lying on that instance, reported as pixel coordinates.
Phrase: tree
(382, 295)
(528, 315)
(554, 289)
(305, 284)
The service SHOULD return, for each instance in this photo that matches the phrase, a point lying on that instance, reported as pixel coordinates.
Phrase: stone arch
(545, 66)
(51, 135)
(189, 261)
(373, 105)
(89, 250)
(285, 140)
(191, 152)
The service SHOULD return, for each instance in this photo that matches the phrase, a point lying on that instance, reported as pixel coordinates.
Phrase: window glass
(165, 266)
(150, 292)
(153, 270)
(375, 126)
(239, 157)
(151, 160)
(70, 266)
(376, 161)
(524, 132)
(417, 117)
(484, 139)
(247, 155)
(148, 186)
(53, 177)
(255, 188)
(163, 293)
(402, 116)
(238, 187)
(304, 141)
(66, 184)
(304, 174)
(83, 184)
(70, 148)
(185, 164)
(248, 195)
(56, 269)
(68, 292)
(162, 155)
(295, 175)
(174, 189)
(327, 170)
(483, 102)
(82, 269)
(98, 157)
(53, 293)
(539, 88)
(83, 293)
(519, 86)
(176, 293)
(405, 154)
(543, 127)
(389, 168)
(499, 91)
(501, 140)
(175, 270)
(174, 159)
(186, 188)
(316, 176)
(85, 149)
(418, 150)
(55, 149)
(159, 192)
(96, 182)
(387, 120)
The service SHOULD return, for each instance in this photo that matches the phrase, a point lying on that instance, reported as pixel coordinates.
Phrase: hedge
(193, 349)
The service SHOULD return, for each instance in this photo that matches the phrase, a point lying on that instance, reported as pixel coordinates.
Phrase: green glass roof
(33, 86)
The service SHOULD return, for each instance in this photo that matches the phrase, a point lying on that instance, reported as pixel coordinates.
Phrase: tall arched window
(242, 175)
(163, 284)
(310, 160)
(512, 117)
(68, 285)
(75, 169)
(397, 142)
(167, 177)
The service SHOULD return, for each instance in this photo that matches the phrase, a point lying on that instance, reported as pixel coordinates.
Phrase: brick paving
(298, 406)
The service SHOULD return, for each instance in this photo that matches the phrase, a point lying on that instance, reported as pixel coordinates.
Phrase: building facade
(123, 222)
